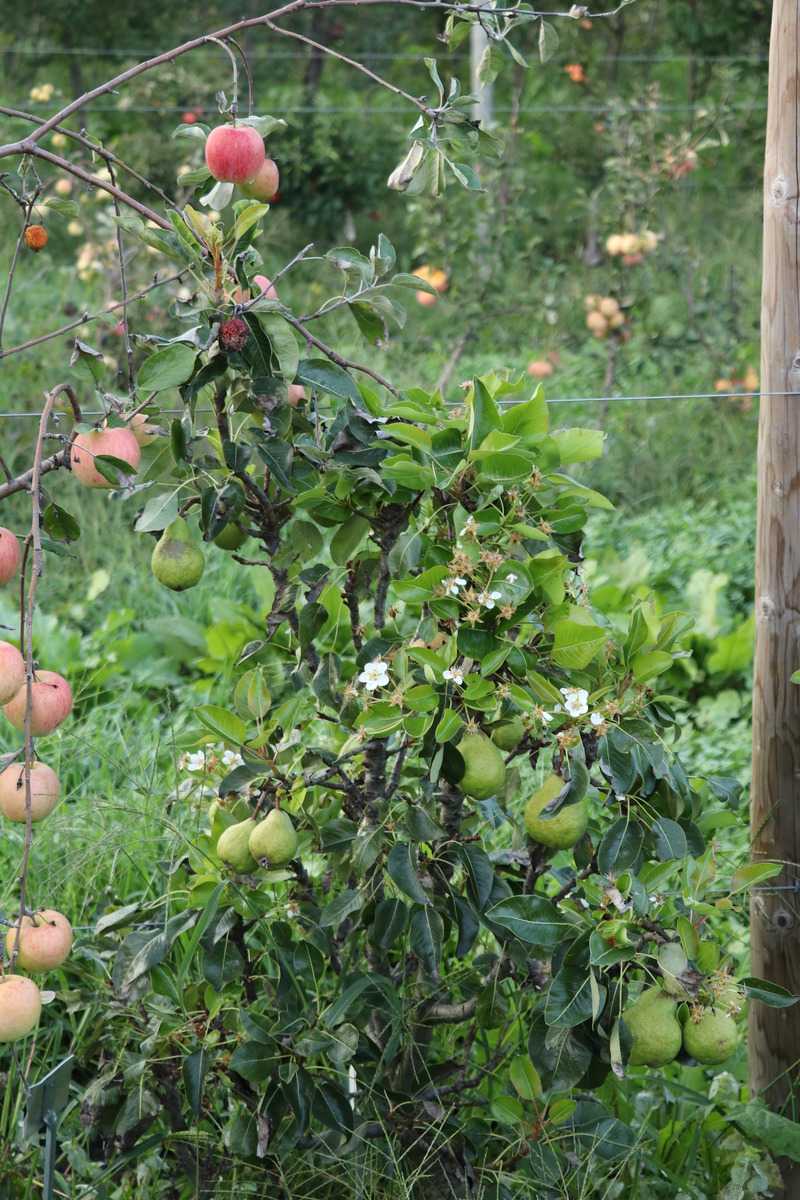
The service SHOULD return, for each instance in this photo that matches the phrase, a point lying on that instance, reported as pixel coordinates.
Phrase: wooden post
(775, 916)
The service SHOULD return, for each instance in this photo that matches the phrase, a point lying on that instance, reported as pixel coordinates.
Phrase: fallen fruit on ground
(484, 768)
(234, 153)
(274, 839)
(20, 1007)
(45, 940)
(117, 442)
(561, 831)
(233, 847)
(45, 790)
(654, 1027)
(176, 561)
(265, 183)
(51, 703)
(12, 671)
(711, 1037)
(9, 554)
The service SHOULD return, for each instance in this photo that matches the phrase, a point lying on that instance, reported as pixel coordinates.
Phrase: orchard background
(417, 999)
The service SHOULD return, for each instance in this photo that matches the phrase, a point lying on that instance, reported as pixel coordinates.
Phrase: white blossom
(452, 586)
(576, 701)
(230, 758)
(470, 525)
(544, 717)
(194, 762)
(454, 674)
(597, 719)
(375, 674)
(487, 599)
(511, 577)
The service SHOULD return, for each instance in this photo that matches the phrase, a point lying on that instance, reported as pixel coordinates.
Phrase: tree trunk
(775, 915)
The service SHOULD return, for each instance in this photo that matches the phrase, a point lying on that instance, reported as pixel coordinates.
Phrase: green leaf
(391, 918)
(328, 377)
(222, 722)
(620, 846)
(771, 994)
(506, 467)
(425, 933)
(530, 918)
(578, 445)
(525, 1078)
(400, 865)
(409, 435)
(344, 905)
(529, 417)
(576, 642)
(448, 726)
(348, 538)
(780, 1135)
(167, 368)
(569, 998)
(247, 216)
(195, 1066)
(483, 415)
(159, 512)
(255, 1061)
(752, 874)
(283, 341)
(670, 839)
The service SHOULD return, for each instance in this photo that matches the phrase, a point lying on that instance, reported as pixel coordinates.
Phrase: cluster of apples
(437, 278)
(632, 247)
(236, 154)
(603, 314)
(41, 940)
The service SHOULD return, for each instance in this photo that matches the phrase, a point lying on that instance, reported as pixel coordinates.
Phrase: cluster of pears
(709, 1034)
(247, 844)
(178, 562)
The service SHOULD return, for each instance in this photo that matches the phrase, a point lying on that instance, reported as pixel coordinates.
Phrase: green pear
(484, 768)
(654, 1027)
(712, 1038)
(233, 849)
(274, 839)
(561, 831)
(507, 735)
(230, 537)
(177, 562)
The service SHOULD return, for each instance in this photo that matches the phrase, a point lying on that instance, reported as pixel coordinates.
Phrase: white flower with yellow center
(375, 674)
(487, 599)
(576, 701)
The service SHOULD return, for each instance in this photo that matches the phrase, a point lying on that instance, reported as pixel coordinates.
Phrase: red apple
(52, 703)
(20, 1007)
(540, 368)
(264, 184)
(115, 441)
(297, 394)
(42, 942)
(234, 153)
(12, 671)
(9, 555)
(268, 290)
(45, 790)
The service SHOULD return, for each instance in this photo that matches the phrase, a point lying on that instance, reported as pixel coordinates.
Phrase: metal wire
(166, 412)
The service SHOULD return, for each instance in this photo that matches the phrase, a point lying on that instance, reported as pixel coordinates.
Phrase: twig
(123, 280)
(36, 571)
(29, 146)
(87, 318)
(330, 353)
(351, 62)
(28, 208)
(93, 147)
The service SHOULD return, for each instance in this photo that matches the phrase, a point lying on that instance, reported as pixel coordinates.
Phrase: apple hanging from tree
(9, 555)
(42, 941)
(265, 183)
(114, 441)
(45, 790)
(12, 671)
(234, 153)
(20, 1007)
(51, 703)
